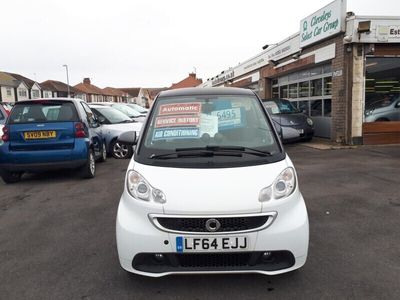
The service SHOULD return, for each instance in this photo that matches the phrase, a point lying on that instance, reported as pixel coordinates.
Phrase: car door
(95, 130)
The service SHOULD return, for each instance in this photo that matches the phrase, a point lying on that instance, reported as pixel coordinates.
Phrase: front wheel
(103, 156)
(11, 177)
(89, 169)
(121, 151)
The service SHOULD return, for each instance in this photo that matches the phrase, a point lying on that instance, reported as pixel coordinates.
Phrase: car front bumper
(140, 242)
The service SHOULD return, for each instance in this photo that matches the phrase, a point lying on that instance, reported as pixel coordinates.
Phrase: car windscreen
(2, 117)
(42, 112)
(221, 130)
(112, 115)
(138, 108)
(280, 107)
(129, 111)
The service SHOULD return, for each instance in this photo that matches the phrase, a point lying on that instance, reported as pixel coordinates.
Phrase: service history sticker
(177, 121)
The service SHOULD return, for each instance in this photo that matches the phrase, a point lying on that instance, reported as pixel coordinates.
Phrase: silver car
(124, 108)
(114, 123)
(387, 109)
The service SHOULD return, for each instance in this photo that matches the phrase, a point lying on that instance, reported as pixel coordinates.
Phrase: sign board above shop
(324, 23)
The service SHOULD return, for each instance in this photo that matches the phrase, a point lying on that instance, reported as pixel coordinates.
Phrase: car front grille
(227, 224)
(223, 261)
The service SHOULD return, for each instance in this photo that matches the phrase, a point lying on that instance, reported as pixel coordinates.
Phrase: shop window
(315, 71)
(293, 76)
(275, 92)
(284, 91)
(382, 89)
(316, 87)
(328, 86)
(282, 80)
(304, 74)
(293, 89)
(327, 107)
(327, 68)
(304, 107)
(274, 81)
(316, 108)
(304, 89)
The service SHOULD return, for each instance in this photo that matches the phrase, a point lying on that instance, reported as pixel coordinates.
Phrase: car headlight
(369, 112)
(283, 186)
(310, 122)
(140, 188)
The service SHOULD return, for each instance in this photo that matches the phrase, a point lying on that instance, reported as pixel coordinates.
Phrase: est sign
(325, 22)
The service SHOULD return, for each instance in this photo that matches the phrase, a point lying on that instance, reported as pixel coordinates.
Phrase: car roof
(102, 103)
(99, 105)
(206, 91)
(48, 99)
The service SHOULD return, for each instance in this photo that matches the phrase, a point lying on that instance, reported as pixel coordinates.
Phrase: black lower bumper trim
(226, 261)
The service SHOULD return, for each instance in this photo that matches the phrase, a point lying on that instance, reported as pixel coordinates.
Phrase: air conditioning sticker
(176, 133)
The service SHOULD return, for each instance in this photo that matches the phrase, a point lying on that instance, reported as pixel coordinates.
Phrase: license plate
(33, 135)
(202, 244)
(301, 131)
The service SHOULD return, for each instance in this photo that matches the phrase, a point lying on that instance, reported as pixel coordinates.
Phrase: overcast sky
(148, 43)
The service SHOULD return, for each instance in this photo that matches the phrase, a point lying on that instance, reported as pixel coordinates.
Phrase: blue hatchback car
(48, 134)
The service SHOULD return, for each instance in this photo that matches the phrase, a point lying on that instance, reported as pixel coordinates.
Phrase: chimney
(86, 80)
(192, 75)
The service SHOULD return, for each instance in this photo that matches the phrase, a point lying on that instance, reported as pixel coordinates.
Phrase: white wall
(5, 97)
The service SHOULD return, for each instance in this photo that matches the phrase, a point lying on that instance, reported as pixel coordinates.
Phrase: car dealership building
(341, 69)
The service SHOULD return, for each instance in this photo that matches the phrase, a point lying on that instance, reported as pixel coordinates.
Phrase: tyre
(103, 156)
(89, 169)
(11, 177)
(121, 151)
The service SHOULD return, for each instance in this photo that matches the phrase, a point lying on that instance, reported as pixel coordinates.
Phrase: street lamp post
(66, 68)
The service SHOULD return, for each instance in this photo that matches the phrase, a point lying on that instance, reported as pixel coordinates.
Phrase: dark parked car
(49, 134)
(292, 124)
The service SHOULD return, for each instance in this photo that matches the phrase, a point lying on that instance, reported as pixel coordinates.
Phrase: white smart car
(210, 190)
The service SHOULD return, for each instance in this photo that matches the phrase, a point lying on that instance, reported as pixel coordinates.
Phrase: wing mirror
(128, 138)
(101, 119)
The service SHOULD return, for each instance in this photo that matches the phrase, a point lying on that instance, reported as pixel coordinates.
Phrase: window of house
(284, 91)
(275, 92)
(293, 89)
(328, 86)
(35, 94)
(316, 87)
(304, 107)
(327, 107)
(316, 108)
(22, 93)
(304, 88)
(8, 92)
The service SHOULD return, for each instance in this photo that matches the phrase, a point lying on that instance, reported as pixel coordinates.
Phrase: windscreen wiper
(209, 151)
(230, 149)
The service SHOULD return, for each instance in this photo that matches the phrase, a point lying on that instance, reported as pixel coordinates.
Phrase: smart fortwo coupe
(210, 190)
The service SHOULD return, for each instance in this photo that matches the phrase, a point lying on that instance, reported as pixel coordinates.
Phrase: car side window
(90, 116)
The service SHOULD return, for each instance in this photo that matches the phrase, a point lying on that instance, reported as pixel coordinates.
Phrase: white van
(210, 190)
